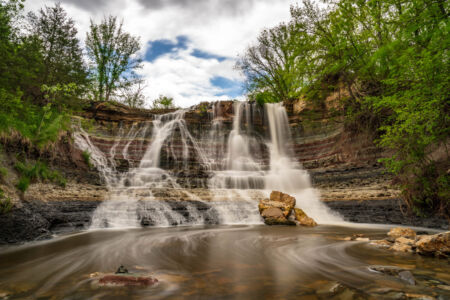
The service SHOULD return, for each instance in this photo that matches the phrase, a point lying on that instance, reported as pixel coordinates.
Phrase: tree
(62, 54)
(163, 102)
(275, 67)
(112, 53)
(134, 96)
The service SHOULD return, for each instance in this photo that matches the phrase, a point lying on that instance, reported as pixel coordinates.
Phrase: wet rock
(434, 245)
(275, 216)
(127, 280)
(402, 232)
(419, 296)
(330, 289)
(122, 270)
(402, 274)
(266, 204)
(362, 239)
(303, 219)
(388, 270)
(283, 198)
(405, 241)
(381, 243)
(401, 247)
(275, 211)
(407, 277)
(279, 200)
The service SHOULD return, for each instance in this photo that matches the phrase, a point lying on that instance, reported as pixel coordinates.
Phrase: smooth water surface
(226, 262)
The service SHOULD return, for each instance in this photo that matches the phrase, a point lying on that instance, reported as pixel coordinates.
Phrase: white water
(149, 195)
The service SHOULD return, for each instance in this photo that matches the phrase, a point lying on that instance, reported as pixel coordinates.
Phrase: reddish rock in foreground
(127, 280)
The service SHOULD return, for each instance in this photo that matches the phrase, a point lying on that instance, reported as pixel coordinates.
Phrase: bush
(3, 172)
(23, 184)
(163, 102)
(87, 158)
(5, 203)
(39, 171)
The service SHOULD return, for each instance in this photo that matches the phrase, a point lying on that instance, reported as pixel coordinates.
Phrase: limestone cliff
(343, 165)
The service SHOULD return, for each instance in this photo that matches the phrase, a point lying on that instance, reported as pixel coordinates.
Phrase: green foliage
(34, 172)
(112, 53)
(23, 184)
(392, 59)
(5, 203)
(163, 102)
(3, 173)
(87, 158)
(60, 49)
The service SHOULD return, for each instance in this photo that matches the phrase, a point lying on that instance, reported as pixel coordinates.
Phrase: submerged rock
(303, 218)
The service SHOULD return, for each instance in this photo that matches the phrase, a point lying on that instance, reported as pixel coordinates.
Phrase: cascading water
(285, 174)
(159, 190)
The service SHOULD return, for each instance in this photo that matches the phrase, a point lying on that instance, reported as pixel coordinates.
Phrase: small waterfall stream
(240, 168)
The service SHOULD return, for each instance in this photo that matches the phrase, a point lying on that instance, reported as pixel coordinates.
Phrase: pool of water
(220, 262)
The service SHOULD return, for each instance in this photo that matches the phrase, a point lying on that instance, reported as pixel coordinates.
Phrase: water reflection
(232, 262)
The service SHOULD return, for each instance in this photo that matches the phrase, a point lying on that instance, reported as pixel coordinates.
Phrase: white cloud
(186, 78)
(220, 27)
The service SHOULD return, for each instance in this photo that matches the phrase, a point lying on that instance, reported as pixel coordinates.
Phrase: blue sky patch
(231, 88)
(160, 47)
(206, 55)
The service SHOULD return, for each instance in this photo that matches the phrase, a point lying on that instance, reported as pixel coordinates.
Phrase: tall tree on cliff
(112, 53)
(61, 51)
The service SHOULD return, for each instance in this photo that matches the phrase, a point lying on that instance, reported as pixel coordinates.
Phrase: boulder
(275, 216)
(126, 280)
(402, 232)
(401, 247)
(266, 204)
(381, 243)
(434, 245)
(303, 218)
(276, 210)
(404, 241)
(283, 198)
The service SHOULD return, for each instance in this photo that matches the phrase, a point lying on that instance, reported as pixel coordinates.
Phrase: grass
(5, 203)
(35, 172)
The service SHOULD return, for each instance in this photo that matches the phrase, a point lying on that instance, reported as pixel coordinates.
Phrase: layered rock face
(342, 165)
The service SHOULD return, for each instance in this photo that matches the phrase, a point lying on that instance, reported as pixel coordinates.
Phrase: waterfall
(286, 174)
(179, 177)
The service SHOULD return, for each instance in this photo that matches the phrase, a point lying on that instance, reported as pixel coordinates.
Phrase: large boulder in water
(279, 200)
(275, 216)
(303, 218)
(276, 210)
(435, 245)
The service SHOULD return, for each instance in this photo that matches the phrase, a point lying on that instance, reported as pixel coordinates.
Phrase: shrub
(87, 158)
(3, 172)
(5, 203)
(39, 171)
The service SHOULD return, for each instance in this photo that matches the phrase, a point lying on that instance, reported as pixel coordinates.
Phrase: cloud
(91, 5)
(189, 47)
(229, 7)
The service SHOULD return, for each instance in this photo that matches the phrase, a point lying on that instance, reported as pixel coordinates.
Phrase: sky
(189, 47)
